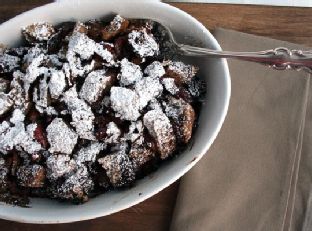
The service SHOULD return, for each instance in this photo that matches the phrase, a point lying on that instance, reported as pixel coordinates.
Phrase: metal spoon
(280, 58)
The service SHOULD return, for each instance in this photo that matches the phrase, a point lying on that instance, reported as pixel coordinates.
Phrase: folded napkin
(258, 173)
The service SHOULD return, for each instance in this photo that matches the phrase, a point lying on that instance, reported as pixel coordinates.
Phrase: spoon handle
(280, 58)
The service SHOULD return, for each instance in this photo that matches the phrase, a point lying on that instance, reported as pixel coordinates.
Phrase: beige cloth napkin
(258, 173)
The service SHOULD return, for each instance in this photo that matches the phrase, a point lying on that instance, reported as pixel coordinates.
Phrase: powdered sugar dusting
(183, 116)
(8, 62)
(85, 47)
(80, 44)
(17, 116)
(82, 115)
(40, 95)
(113, 133)
(3, 173)
(57, 84)
(59, 165)
(159, 126)
(75, 65)
(88, 154)
(77, 185)
(34, 70)
(135, 134)
(70, 79)
(6, 103)
(4, 85)
(119, 168)
(40, 31)
(17, 136)
(17, 93)
(115, 24)
(94, 86)
(129, 73)
(170, 85)
(140, 155)
(186, 72)
(70, 103)
(155, 69)
(4, 126)
(154, 104)
(125, 103)
(147, 89)
(54, 60)
(62, 139)
(143, 43)
(32, 176)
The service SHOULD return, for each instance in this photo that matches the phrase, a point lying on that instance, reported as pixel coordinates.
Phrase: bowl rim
(205, 148)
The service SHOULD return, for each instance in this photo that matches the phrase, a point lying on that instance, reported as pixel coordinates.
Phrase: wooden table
(285, 23)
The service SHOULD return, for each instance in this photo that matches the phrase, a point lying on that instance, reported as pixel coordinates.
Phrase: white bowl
(214, 71)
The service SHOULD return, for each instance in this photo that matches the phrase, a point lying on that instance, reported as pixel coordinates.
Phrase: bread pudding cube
(95, 85)
(88, 154)
(147, 89)
(87, 107)
(129, 73)
(140, 155)
(32, 176)
(170, 86)
(116, 26)
(4, 171)
(182, 116)
(62, 139)
(8, 62)
(160, 128)
(143, 44)
(155, 69)
(38, 32)
(81, 113)
(59, 165)
(181, 72)
(119, 168)
(76, 187)
(6, 103)
(4, 85)
(57, 84)
(125, 102)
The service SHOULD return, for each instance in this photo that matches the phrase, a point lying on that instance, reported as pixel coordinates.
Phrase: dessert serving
(90, 107)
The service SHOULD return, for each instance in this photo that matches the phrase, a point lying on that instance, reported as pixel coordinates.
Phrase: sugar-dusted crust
(87, 107)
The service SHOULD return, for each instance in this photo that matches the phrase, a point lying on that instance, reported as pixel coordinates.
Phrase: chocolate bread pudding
(90, 107)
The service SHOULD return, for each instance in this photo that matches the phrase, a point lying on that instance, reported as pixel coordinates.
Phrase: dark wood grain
(10, 8)
(292, 24)
(285, 23)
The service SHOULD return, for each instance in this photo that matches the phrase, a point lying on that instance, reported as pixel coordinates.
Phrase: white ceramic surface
(214, 71)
